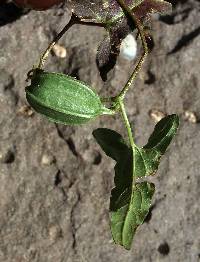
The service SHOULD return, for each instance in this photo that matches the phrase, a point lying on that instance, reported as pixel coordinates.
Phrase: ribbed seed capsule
(63, 99)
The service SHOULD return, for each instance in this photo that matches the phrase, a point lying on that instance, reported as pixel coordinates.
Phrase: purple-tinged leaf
(109, 48)
(148, 7)
(109, 14)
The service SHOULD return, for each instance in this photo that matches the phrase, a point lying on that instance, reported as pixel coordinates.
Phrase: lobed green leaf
(129, 203)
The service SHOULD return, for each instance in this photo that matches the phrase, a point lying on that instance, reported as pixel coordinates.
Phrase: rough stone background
(55, 181)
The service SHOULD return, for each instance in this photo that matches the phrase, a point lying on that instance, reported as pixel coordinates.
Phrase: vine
(66, 100)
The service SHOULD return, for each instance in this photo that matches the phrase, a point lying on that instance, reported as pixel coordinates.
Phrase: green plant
(53, 95)
(63, 99)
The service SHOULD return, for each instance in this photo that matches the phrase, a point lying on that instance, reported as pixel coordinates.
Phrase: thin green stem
(139, 26)
(129, 131)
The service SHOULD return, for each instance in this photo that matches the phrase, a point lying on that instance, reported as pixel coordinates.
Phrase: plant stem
(74, 20)
(139, 26)
(49, 48)
(129, 131)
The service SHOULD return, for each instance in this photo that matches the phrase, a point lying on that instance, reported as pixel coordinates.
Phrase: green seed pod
(63, 99)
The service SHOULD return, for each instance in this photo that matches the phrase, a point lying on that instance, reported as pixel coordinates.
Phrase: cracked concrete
(55, 182)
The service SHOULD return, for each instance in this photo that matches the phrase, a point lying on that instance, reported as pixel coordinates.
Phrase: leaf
(111, 142)
(100, 11)
(163, 133)
(128, 204)
(148, 7)
(109, 14)
(115, 147)
(109, 48)
(130, 211)
(109, 11)
(147, 158)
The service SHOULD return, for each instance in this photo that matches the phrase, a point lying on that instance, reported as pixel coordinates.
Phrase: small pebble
(156, 115)
(59, 51)
(47, 160)
(25, 110)
(128, 48)
(190, 117)
(55, 232)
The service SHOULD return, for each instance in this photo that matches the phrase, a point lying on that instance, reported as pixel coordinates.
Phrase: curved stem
(74, 20)
(129, 131)
(49, 48)
(139, 26)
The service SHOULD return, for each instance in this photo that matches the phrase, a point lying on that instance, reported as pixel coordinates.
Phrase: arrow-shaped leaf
(129, 204)
(146, 158)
